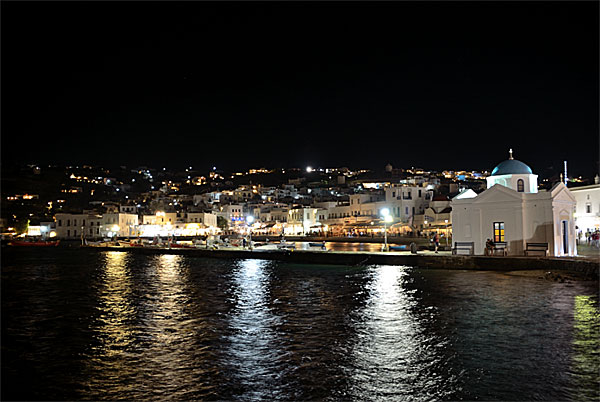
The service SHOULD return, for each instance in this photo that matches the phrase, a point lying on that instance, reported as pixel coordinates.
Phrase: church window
(498, 232)
(520, 185)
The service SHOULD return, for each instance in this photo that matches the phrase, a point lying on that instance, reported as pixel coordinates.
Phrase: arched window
(520, 185)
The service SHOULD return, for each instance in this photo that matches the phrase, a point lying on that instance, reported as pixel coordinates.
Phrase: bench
(464, 245)
(536, 248)
(500, 246)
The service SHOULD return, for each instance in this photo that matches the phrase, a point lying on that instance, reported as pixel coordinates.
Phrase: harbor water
(106, 325)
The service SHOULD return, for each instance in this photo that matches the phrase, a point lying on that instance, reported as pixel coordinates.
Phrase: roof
(511, 166)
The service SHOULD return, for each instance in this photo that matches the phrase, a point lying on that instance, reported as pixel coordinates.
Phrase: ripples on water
(81, 324)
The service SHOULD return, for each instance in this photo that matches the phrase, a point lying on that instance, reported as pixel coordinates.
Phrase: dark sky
(238, 85)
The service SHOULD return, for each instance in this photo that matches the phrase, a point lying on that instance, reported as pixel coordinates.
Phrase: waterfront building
(436, 217)
(119, 224)
(74, 226)
(407, 201)
(587, 208)
(301, 221)
(233, 214)
(512, 210)
(208, 220)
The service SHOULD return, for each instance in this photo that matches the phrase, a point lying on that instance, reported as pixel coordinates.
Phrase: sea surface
(83, 324)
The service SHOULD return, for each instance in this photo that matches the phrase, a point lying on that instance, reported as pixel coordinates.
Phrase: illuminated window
(498, 232)
(520, 185)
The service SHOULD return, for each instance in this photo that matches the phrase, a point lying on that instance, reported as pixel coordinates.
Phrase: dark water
(83, 324)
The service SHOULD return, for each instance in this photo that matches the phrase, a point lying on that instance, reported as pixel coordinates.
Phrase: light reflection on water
(80, 325)
(586, 347)
(115, 332)
(394, 357)
(252, 352)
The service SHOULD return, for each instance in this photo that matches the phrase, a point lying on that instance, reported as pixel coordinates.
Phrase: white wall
(587, 198)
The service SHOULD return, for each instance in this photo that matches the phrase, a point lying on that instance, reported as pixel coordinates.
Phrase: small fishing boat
(316, 244)
(286, 246)
(34, 243)
(402, 247)
(181, 245)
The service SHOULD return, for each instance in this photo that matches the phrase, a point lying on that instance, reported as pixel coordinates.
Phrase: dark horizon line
(181, 167)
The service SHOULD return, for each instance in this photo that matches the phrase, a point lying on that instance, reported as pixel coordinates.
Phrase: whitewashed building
(587, 209)
(512, 210)
(119, 224)
(74, 226)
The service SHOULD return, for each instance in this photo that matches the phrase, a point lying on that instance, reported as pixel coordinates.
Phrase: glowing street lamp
(446, 221)
(250, 220)
(385, 212)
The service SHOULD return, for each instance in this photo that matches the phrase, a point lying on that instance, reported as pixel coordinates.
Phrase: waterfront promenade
(586, 266)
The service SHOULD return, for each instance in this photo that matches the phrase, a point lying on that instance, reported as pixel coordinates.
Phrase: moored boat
(34, 243)
(286, 246)
(402, 247)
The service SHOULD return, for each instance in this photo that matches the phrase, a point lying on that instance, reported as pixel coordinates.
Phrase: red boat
(35, 243)
(176, 245)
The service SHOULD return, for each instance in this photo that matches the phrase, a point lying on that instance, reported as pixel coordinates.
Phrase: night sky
(240, 85)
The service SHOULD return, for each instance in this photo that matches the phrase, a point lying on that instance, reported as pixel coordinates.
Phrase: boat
(34, 243)
(286, 246)
(180, 245)
(398, 248)
(316, 244)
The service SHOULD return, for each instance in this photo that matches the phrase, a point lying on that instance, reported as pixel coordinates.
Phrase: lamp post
(386, 218)
(446, 221)
(250, 220)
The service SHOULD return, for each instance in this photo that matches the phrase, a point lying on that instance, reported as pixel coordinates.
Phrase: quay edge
(461, 262)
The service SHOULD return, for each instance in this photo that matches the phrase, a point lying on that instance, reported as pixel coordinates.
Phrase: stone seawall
(484, 263)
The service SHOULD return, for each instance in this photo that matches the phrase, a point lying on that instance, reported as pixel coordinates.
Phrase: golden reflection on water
(170, 299)
(115, 331)
(142, 329)
(586, 347)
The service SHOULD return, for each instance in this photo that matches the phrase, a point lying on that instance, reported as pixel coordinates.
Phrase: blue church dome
(511, 166)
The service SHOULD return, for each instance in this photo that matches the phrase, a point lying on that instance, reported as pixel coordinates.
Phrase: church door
(565, 237)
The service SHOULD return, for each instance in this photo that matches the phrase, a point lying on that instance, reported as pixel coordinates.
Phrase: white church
(512, 211)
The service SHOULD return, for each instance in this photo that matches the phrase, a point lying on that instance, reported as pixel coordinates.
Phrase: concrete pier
(421, 260)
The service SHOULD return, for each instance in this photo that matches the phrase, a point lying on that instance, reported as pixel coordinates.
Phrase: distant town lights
(309, 169)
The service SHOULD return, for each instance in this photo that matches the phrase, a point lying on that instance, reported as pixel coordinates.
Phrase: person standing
(436, 241)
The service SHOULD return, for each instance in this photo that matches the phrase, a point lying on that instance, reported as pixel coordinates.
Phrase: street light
(250, 220)
(446, 221)
(386, 218)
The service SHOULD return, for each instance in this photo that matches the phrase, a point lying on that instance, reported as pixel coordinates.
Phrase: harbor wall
(483, 263)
